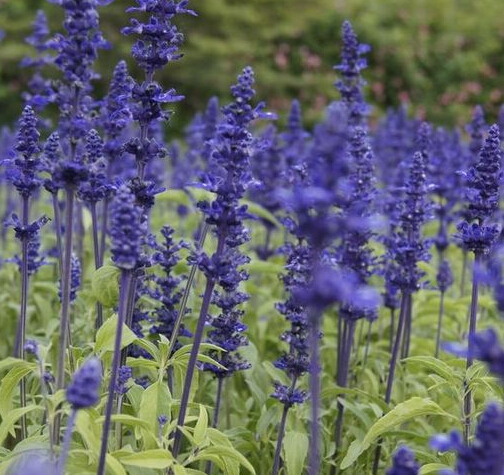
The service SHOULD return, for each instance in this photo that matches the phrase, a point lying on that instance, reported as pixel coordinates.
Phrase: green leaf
(12, 417)
(156, 458)
(88, 429)
(223, 451)
(114, 466)
(295, 447)
(127, 420)
(155, 402)
(10, 383)
(403, 412)
(437, 366)
(105, 285)
(201, 426)
(10, 362)
(433, 468)
(105, 337)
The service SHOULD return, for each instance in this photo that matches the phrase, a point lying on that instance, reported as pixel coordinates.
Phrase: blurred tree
(442, 56)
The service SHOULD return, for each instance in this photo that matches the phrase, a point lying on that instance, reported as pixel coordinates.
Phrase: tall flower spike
(351, 83)
(482, 197)
(126, 230)
(444, 276)
(23, 170)
(476, 129)
(484, 177)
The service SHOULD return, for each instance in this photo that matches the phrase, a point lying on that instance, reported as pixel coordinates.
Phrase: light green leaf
(295, 446)
(224, 451)
(11, 418)
(156, 458)
(105, 337)
(403, 412)
(433, 468)
(127, 420)
(201, 426)
(114, 466)
(437, 366)
(105, 285)
(10, 383)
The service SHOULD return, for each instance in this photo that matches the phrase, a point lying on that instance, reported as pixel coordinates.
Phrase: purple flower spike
(84, 389)
(404, 463)
(126, 229)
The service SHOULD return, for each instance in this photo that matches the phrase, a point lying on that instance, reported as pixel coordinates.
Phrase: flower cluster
(482, 182)
(485, 456)
(406, 246)
(84, 389)
(351, 83)
(229, 177)
(444, 276)
(167, 292)
(404, 463)
(24, 169)
(295, 361)
(97, 186)
(354, 252)
(126, 229)
(76, 51)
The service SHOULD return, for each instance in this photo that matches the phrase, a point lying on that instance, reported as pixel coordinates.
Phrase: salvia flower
(444, 276)
(159, 40)
(35, 259)
(484, 177)
(23, 171)
(485, 455)
(125, 373)
(27, 232)
(41, 91)
(354, 252)
(294, 361)
(351, 83)
(126, 229)
(33, 463)
(84, 389)
(482, 197)
(167, 292)
(31, 347)
(406, 246)
(404, 463)
(97, 187)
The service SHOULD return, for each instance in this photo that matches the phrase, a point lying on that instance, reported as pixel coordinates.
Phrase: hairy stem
(191, 366)
(342, 381)
(60, 468)
(439, 325)
(124, 291)
(21, 329)
(187, 290)
(97, 259)
(281, 433)
(464, 272)
(470, 359)
(314, 457)
(392, 366)
(65, 288)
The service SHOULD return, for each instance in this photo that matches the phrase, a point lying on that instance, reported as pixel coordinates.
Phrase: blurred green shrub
(442, 56)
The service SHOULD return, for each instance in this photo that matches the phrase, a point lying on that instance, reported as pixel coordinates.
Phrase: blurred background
(439, 56)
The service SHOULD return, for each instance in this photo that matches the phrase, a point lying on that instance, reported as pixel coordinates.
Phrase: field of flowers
(249, 298)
